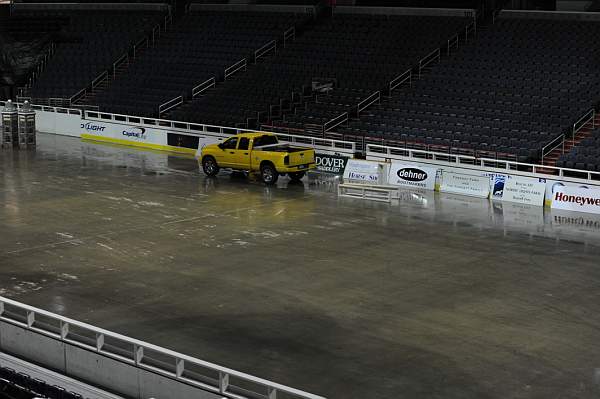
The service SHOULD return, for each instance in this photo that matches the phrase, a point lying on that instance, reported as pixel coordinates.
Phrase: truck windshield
(265, 140)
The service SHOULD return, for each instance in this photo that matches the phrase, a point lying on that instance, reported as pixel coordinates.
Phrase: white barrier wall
(120, 364)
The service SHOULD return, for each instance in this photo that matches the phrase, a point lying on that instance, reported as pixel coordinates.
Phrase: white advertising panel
(364, 171)
(471, 185)
(122, 134)
(576, 199)
(524, 190)
(407, 175)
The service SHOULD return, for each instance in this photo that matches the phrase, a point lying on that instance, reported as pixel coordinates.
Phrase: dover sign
(524, 191)
(331, 163)
(474, 186)
(422, 177)
(576, 199)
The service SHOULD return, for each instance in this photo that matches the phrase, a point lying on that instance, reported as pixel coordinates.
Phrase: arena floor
(435, 297)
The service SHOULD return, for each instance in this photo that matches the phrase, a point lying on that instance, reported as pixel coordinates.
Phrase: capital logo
(90, 127)
(137, 132)
(412, 174)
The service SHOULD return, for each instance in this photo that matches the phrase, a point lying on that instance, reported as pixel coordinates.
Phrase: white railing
(318, 143)
(195, 129)
(288, 35)
(428, 59)
(367, 102)
(241, 64)
(202, 87)
(376, 151)
(177, 366)
(400, 80)
(266, 49)
(162, 108)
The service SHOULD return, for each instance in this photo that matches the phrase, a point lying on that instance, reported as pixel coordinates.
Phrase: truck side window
(244, 143)
(265, 140)
(230, 144)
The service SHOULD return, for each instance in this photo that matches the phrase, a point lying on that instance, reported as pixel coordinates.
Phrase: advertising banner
(364, 172)
(554, 185)
(474, 186)
(524, 190)
(576, 199)
(415, 176)
(328, 163)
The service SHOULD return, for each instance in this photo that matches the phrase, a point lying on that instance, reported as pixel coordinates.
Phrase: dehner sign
(422, 177)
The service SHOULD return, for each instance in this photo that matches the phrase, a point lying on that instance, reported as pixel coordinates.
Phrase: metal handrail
(559, 141)
(289, 34)
(118, 62)
(99, 79)
(261, 52)
(335, 122)
(138, 44)
(241, 64)
(170, 104)
(202, 87)
(399, 80)
(140, 351)
(80, 94)
(428, 59)
(452, 42)
(367, 102)
(577, 126)
(385, 152)
(471, 27)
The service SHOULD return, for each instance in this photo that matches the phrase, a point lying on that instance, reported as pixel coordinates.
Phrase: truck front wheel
(269, 174)
(210, 167)
(296, 176)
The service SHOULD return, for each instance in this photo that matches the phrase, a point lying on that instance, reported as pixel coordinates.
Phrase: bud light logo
(92, 128)
(412, 174)
(137, 132)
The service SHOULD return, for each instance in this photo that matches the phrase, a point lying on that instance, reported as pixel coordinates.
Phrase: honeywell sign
(577, 199)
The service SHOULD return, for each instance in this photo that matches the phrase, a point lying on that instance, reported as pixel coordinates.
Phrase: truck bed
(280, 148)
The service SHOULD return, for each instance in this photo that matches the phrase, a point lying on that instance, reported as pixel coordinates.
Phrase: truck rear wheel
(210, 167)
(269, 174)
(296, 176)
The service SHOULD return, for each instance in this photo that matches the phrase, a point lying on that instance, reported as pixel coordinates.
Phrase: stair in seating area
(583, 133)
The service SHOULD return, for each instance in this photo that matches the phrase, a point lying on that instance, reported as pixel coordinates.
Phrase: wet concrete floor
(435, 297)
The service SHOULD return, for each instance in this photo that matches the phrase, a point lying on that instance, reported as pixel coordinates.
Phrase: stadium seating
(200, 46)
(16, 385)
(584, 156)
(363, 53)
(87, 45)
(517, 88)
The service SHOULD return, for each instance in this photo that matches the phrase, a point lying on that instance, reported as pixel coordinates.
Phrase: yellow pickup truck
(258, 152)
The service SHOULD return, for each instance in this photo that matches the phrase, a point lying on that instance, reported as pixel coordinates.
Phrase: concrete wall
(88, 366)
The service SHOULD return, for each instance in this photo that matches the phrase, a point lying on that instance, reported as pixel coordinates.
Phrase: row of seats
(496, 94)
(88, 44)
(359, 54)
(200, 46)
(19, 385)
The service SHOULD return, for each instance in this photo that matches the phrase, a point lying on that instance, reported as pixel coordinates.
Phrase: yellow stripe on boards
(129, 143)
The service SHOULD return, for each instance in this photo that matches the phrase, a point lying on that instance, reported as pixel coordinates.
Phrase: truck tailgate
(303, 157)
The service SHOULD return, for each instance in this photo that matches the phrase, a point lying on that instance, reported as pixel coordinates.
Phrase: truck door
(242, 156)
(226, 157)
